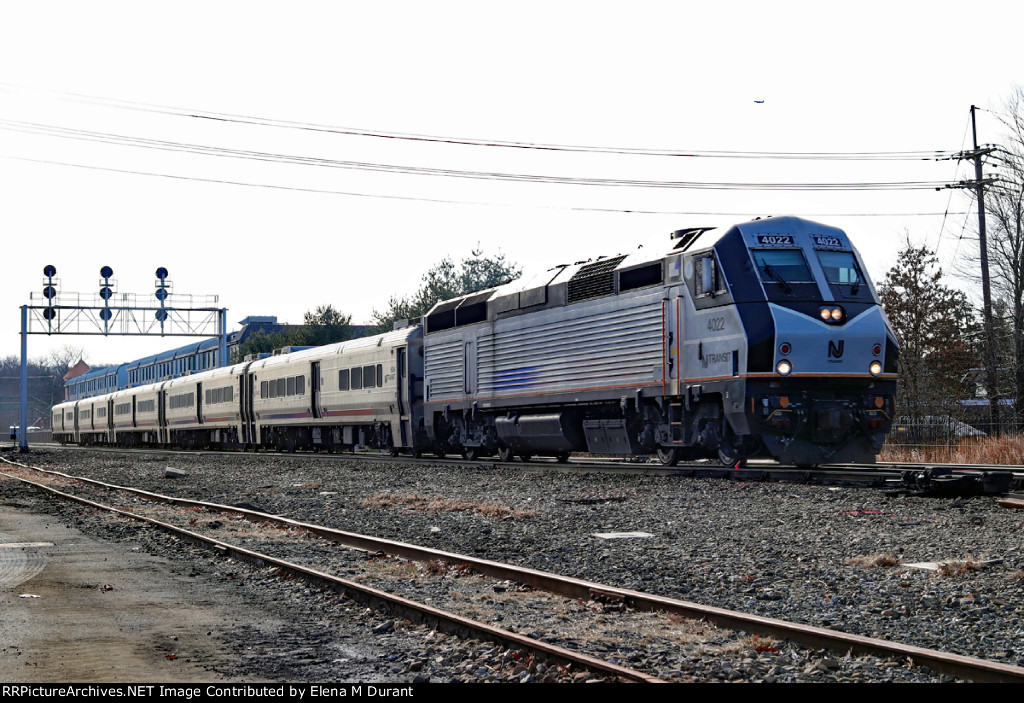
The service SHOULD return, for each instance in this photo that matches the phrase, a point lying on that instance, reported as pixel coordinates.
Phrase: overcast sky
(276, 237)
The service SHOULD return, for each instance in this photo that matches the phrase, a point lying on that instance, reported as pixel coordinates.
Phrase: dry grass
(437, 504)
(751, 643)
(1005, 450)
(875, 561)
(958, 567)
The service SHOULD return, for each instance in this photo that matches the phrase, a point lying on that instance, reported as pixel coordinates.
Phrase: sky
(88, 90)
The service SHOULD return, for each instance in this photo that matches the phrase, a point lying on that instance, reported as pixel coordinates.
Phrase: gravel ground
(812, 554)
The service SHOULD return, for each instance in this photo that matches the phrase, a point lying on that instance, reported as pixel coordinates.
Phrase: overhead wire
(922, 155)
(442, 200)
(949, 201)
(165, 145)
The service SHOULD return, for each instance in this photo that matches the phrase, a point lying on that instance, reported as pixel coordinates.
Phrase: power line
(164, 145)
(949, 201)
(447, 201)
(933, 155)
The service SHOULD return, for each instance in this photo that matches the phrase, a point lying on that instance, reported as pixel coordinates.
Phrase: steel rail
(371, 597)
(881, 469)
(956, 665)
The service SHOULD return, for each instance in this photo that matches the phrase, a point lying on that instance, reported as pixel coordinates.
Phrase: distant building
(77, 370)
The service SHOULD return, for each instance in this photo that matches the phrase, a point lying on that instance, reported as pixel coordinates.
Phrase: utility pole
(978, 184)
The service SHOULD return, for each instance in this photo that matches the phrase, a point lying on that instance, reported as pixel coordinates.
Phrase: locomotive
(768, 341)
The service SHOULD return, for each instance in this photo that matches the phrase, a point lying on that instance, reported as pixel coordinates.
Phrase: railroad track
(181, 517)
(924, 478)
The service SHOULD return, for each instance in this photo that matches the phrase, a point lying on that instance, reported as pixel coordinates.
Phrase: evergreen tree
(444, 281)
(325, 325)
(936, 328)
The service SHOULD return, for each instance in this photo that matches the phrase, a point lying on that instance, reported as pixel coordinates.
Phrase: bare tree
(1004, 206)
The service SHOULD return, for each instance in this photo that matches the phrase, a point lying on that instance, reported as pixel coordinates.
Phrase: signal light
(784, 368)
(49, 292)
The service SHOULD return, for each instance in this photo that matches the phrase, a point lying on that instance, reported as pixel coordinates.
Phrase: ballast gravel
(831, 556)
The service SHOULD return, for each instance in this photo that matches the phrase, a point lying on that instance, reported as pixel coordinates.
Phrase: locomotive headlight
(875, 368)
(783, 368)
(832, 314)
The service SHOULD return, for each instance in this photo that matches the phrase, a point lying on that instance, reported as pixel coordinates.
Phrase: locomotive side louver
(594, 280)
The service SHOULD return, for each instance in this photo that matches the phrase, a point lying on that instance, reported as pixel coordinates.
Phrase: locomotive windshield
(843, 273)
(785, 274)
(782, 266)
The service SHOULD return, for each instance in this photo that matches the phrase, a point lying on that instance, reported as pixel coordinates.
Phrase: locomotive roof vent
(688, 236)
(594, 280)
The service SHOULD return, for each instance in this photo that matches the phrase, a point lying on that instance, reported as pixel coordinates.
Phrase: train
(766, 341)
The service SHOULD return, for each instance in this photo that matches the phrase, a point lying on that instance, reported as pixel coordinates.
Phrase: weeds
(956, 567)
(875, 561)
(1003, 450)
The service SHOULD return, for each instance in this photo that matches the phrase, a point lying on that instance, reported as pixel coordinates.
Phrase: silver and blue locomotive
(768, 342)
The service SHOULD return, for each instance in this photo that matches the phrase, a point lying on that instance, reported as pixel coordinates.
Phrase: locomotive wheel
(562, 457)
(471, 453)
(668, 456)
(505, 453)
(730, 457)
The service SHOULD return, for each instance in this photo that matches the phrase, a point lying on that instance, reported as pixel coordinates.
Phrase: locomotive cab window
(708, 278)
(782, 266)
(843, 273)
(785, 275)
